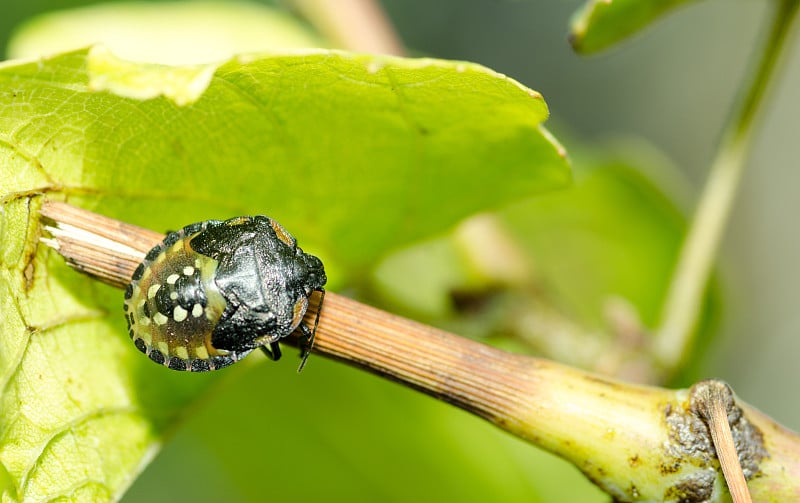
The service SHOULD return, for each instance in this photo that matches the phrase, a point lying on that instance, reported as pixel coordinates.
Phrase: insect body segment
(212, 292)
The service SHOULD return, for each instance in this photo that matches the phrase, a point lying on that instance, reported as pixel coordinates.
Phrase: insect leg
(273, 352)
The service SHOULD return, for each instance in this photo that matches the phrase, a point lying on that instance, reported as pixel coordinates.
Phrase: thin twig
(102, 247)
(355, 25)
(712, 400)
(683, 302)
(478, 378)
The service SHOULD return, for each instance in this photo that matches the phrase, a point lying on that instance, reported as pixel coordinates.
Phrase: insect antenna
(308, 338)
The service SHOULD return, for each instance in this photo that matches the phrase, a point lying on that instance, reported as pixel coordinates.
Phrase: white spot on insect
(179, 314)
(173, 295)
(144, 321)
(197, 310)
(151, 292)
(188, 270)
(172, 278)
(160, 319)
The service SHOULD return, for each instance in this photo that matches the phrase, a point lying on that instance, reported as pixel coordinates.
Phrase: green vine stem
(683, 302)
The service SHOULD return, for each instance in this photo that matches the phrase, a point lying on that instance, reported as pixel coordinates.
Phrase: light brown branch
(637, 443)
(355, 25)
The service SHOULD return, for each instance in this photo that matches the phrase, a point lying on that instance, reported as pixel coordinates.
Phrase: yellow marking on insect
(145, 275)
(172, 278)
(282, 234)
(163, 347)
(216, 302)
(160, 319)
(201, 352)
(146, 337)
(179, 314)
(299, 310)
(144, 321)
(151, 292)
(197, 310)
(181, 352)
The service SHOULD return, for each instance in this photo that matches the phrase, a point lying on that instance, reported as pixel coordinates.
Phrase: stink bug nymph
(210, 293)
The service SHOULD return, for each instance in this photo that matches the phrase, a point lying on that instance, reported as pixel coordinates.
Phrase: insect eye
(312, 263)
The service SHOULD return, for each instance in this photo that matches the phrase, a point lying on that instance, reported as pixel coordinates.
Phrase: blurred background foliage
(590, 263)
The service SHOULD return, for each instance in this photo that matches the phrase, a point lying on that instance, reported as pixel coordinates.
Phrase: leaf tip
(182, 84)
(579, 24)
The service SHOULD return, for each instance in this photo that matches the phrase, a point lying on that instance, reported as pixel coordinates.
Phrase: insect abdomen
(172, 306)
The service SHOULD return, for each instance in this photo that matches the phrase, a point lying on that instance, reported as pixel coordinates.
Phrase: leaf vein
(66, 429)
(30, 331)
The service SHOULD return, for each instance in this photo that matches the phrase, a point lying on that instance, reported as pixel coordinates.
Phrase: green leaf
(353, 154)
(600, 24)
(614, 234)
(344, 436)
(177, 32)
(579, 264)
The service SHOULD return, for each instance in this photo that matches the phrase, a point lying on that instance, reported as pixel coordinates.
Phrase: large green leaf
(354, 154)
(600, 24)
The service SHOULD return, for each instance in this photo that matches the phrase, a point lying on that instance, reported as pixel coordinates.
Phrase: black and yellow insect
(210, 293)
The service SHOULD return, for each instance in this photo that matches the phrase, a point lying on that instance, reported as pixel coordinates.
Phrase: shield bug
(210, 293)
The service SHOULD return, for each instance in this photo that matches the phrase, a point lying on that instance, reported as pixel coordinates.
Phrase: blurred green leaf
(345, 436)
(613, 234)
(176, 32)
(354, 154)
(600, 24)
(599, 256)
